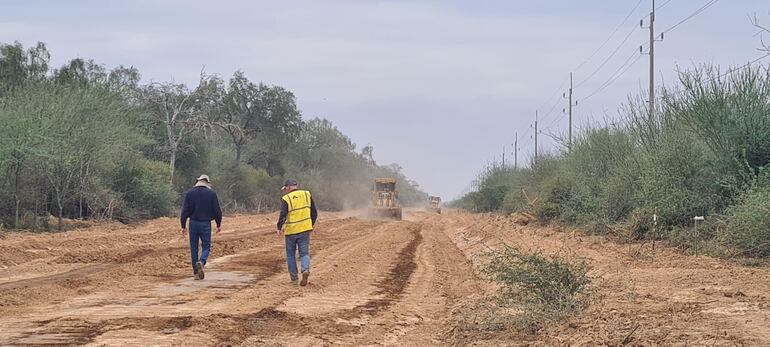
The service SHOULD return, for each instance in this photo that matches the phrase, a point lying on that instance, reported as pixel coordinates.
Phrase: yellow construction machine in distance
(385, 199)
(434, 204)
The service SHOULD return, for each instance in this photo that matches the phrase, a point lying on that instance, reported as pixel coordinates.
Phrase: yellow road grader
(385, 200)
(434, 204)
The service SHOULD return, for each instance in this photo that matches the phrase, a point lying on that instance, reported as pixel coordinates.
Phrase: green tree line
(706, 152)
(82, 141)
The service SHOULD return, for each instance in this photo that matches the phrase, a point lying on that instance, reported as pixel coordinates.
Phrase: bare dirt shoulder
(642, 297)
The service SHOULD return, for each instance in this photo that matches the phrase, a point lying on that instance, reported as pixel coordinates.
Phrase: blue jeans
(299, 241)
(199, 231)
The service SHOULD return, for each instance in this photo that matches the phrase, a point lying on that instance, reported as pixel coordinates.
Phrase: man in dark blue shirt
(201, 206)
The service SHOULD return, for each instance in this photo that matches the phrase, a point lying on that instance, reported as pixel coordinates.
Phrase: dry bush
(536, 291)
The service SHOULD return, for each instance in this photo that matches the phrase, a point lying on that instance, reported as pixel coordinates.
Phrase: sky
(440, 87)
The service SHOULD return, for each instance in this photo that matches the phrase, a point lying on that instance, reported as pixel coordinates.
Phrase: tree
(18, 66)
(73, 130)
(81, 71)
(122, 80)
(179, 110)
(237, 114)
(84, 141)
(281, 124)
(257, 114)
(317, 138)
(368, 153)
(19, 136)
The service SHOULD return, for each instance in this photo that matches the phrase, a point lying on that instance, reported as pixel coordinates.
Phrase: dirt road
(413, 282)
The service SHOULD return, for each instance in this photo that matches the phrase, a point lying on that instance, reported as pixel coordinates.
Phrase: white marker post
(654, 231)
(697, 219)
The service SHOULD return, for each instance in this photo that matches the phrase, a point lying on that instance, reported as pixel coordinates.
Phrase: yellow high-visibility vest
(298, 219)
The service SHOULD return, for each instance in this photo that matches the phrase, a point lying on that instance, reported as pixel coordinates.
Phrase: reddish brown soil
(372, 283)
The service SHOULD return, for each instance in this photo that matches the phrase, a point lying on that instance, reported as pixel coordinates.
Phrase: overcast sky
(436, 86)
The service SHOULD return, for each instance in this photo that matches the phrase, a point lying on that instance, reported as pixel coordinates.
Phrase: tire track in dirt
(346, 273)
(59, 277)
(373, 282)
(146, 308)
(327, 327)
(423, 315)
(393, 284)
(150, 261)
(85, 326)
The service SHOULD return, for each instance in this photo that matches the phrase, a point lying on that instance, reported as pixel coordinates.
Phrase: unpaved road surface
(413, 282)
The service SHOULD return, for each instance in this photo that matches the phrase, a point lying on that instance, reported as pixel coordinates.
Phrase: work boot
(305, 275)
(201, 274)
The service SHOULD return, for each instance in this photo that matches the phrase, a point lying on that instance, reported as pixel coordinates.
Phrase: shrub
(700, 155)
(547, 211)
(144, 188)
(641, 224)
(544, 290)
(244, 188)
(747, 223)
(490, 198)
(616, 199)
(515, 201)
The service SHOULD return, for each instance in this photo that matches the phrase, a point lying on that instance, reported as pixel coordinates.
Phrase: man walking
(296, 221)
(201, 206)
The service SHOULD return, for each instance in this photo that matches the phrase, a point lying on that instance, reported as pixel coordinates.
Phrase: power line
(555, 96)
(593, 54)
(614, 77)
(732, 71)
(626, 65)
(611, 35)
(561, 87)
(630, 61)
(662, 5)
(697, 12)
(608, 58)
(550, 110)
(555, 103)
(555, 120)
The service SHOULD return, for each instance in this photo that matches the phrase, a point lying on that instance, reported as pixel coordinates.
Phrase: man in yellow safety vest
(296, 221)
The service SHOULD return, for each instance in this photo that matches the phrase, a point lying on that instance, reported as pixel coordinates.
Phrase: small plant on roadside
(536, 290)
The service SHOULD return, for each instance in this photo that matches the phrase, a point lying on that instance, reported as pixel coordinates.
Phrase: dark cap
(289, 182)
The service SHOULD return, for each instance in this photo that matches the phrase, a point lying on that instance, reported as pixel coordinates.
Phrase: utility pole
(536, 134)
(568, 96)
(516, 151)
(570, 112)
(652, 64)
